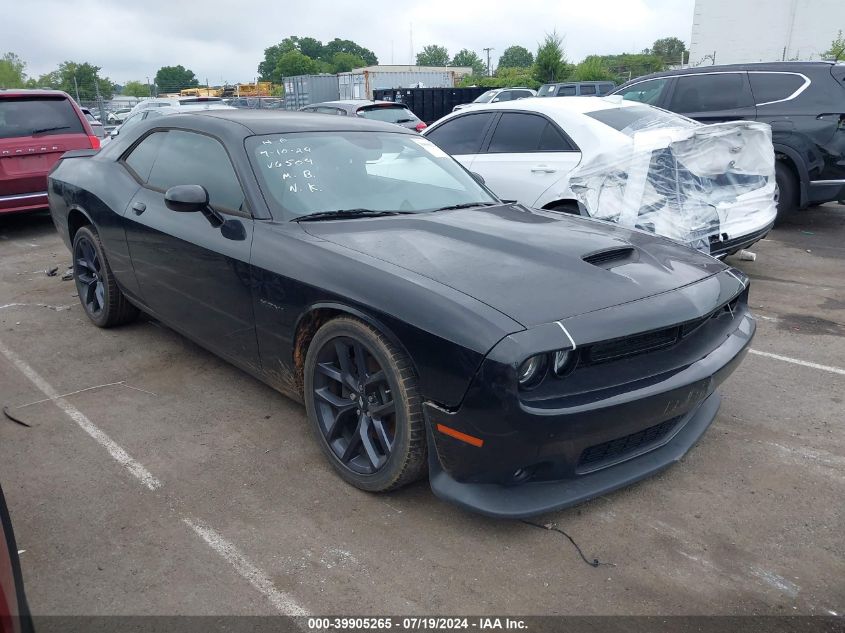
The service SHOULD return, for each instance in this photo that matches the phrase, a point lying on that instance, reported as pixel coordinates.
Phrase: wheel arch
(77, 217)
(792, 159)
(318, 314)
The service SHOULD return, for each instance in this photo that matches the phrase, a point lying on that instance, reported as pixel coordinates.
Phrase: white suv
(499, 94)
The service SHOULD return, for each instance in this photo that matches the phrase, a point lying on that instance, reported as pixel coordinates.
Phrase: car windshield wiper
(50, 129)
(346, 213)
(467, 205)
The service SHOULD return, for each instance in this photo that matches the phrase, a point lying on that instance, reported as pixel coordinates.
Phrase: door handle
(542, 169)
(139, 208)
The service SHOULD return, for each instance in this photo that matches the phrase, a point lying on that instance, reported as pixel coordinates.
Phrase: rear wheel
(786, 191)
(364, 406)
(99, 295)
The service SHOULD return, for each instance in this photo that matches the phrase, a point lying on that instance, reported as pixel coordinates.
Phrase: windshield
(43, 116)
(313, 172)
(486, 97)
(388, 114)
(633, 119)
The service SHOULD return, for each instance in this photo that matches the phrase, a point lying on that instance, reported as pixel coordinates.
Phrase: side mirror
(478, 177)
(114, 132)
(496, 100)
(186, 198)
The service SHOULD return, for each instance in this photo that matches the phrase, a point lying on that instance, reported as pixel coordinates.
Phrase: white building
(739, 31)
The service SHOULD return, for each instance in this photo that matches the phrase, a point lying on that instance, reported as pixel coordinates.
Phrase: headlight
(531, 371)
(563, 362)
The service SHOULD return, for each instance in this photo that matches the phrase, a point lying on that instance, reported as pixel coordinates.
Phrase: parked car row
(386, 111)
(522, 359)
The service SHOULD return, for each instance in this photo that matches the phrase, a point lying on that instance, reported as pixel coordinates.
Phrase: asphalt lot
(238, 513)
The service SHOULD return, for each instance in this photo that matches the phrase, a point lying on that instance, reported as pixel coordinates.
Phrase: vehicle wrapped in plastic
(701, 185)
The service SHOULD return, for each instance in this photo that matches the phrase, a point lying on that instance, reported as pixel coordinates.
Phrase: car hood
(527, 264)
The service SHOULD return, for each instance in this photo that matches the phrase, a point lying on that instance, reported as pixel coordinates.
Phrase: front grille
(623, 447)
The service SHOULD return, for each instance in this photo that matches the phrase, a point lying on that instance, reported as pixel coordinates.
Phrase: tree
(294, 63)
(504, 77)
(433, 55)
(12, 73)
(837, 49)
(466, 57)
(591, 69)
(670, 49)
(344, 62)
(135, 89)
(175, 78)
(516, 57)
(80, 81)
(629, 65)
(338, 45)
(550, 64)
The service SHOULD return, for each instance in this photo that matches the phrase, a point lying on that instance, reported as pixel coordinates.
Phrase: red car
(14, 612)
(36, 128)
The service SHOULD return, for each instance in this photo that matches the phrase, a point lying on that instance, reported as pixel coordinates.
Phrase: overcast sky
(223, 40)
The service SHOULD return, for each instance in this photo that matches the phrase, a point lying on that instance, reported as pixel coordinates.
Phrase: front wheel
(363, 404)
(99, 295)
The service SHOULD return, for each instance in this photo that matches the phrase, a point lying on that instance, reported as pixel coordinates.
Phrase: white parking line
(798, 361)
(284, 603)
(117, 453)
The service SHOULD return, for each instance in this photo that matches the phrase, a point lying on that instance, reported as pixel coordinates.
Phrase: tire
(368, 423)
(786, 193)
(101, 299)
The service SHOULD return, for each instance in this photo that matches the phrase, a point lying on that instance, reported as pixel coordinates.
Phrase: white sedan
(710, 186)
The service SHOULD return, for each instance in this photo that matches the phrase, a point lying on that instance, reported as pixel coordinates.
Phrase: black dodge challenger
(524, 359)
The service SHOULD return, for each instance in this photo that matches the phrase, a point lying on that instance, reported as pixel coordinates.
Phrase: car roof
(259, 121)
(568, 105)
(32, 92)
(579, 83)
(758, 66)
(354, 102)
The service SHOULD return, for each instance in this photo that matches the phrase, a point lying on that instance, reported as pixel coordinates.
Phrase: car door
(526, 154)
(712, 97)
(193, 275)
(462, 135)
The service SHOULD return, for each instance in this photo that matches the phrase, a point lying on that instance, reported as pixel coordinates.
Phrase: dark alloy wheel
(99, 294)
(362, 400)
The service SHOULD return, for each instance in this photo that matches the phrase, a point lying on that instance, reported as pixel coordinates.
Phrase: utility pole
(489, 70)
(76, 88)
(150, 87)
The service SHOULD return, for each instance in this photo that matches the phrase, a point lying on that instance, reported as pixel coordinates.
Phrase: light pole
(489, 70)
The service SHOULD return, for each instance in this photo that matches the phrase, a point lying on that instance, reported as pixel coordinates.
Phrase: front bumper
(535, 459)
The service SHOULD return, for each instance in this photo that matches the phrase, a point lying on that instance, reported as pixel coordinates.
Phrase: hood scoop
(610, 257)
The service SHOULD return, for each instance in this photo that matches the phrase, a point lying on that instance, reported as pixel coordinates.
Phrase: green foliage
(550, 63)
(591, 69)
(516, 57)
(87, 82)
(466, 57)
(836, 52)
(12, 73)
(135, 89)
(344, 62)
(336, 56)
(629, 65)
(669, 49)
(433, 55)
(504, 78)
(175, 78)
(294, 63)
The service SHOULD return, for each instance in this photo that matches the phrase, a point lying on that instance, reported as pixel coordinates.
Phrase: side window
(522, 94)
(768, 87)
(566, 91)
(588, 90)
(340, 112)
(553, 141)
(709, 93)
(187, 158)
(461, 135)
(645, 91)
(517, 133)
(505, 95)
(141, 159)
(605, 89)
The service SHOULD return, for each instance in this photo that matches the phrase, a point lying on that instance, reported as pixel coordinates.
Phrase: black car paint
(808, 131)
(468, 294)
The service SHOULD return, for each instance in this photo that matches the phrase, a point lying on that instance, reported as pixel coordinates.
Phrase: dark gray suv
(804, 102)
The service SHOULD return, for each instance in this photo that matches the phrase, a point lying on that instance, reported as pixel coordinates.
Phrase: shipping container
(362, 83)
(303, 90)
(430, 104)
